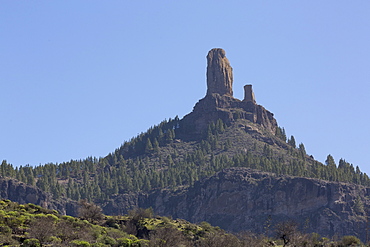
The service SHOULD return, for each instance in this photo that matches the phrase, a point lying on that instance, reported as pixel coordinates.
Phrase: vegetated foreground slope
(221, 132)
(31, 225)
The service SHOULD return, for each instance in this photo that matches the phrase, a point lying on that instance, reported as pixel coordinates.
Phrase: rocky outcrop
(248, 94)
(229, 109)
(238, 199)
(215, 106)
(22, 193)
(219, 102)
(219, 73)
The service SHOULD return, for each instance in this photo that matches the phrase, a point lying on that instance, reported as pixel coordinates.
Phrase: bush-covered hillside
(32, 225)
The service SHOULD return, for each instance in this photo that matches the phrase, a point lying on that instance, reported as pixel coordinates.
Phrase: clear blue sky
(78, 78)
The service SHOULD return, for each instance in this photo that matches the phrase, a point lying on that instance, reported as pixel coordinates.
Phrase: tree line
(158, 159)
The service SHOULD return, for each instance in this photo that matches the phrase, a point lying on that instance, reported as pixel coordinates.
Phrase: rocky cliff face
(20, 192)
(238, 199)
(219, 102)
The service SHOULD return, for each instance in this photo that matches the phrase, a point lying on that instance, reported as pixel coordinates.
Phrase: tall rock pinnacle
(219, 73)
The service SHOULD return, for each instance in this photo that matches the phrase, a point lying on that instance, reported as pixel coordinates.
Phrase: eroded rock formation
(219, 73)
(219, 102)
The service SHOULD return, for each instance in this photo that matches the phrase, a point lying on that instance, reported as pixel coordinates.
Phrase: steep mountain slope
(179, 155)
(239, 199)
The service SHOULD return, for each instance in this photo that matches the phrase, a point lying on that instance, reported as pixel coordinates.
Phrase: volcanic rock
(219, 73)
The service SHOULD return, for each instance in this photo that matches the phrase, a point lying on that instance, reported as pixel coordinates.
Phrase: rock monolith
(219, 73)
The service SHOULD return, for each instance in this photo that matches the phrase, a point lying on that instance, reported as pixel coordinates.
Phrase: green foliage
(280, 133)
(140, 213)
(302, 151)
(90, 211)
(291, 142)
(128, 242)
(57, 230)
(47, 229)
(31, 242)
(350, 241)
(79, 243)
(358, 206)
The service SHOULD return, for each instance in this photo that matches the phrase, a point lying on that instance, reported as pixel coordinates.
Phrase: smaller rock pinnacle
(248, 94)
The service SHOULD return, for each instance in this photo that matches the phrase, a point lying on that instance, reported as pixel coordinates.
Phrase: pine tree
(291, 142)
(302, 151)
(220, 127)
(358, 206)
(148, 146)
(156, 145)
(330, 162)
(280, 133)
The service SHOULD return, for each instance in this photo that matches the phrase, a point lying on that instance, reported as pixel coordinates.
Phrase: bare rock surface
(219, 73)
(248, 94)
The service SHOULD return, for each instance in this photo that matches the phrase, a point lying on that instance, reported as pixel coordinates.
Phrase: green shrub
(140, 213)
(53, 217)
(32, 242)
(115, 233)
(69, 218)
(13, 213)
(5, 230)
(108, 240)
(79, 243)
(110, 222)
(127, 242)
(350, 240)
(206, 226)
(99, 245)
(55, 240)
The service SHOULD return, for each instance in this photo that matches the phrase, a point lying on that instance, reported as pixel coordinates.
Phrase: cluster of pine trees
(158, 159)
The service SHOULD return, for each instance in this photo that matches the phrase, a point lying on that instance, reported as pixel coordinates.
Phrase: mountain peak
(219, 102)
